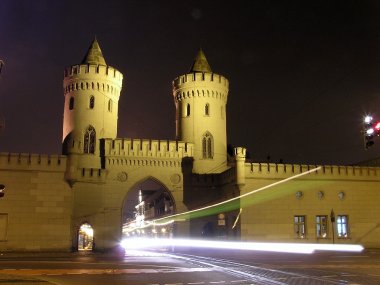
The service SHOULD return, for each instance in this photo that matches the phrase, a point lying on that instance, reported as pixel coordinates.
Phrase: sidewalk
(6, 279)
(13, 279)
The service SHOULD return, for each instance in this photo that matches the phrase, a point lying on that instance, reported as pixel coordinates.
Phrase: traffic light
(2, 190)
(370, 130)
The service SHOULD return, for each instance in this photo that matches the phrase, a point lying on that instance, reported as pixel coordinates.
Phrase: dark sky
(302, 73)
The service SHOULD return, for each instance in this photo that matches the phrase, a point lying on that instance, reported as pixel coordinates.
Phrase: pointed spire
(94, 54)
(200, 63)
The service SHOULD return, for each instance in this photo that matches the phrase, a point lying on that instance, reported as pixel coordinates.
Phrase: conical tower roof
(200, 63)
(94, 55)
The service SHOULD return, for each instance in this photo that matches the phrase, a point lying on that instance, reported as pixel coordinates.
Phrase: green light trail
(237, 202)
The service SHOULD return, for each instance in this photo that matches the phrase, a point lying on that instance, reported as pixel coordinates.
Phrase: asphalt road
(193, 267)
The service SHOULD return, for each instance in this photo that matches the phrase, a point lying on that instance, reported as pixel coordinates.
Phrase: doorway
(86, 237)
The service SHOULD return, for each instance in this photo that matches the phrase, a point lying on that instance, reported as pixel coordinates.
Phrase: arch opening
(85, 237)
(147, 201)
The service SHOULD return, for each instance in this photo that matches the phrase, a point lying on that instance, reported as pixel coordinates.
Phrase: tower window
(109, 105)
(188, 110)
(89, 140)
(92, 102)
(207, 146)
(207, 109)
(71, 103)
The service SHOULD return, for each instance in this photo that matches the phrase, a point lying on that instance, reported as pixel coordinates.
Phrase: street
(190, 267)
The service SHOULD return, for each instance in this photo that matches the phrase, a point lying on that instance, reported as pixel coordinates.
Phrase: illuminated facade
(54, 202)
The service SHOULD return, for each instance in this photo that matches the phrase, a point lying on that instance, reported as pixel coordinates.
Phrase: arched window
(109, 105)
(92, 102)
(187, 110)
(89, 140)
(207, 109)
(71, 103)
(207, 146)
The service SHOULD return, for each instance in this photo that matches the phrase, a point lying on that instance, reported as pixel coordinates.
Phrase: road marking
(99, 271)
(348, 274)
(329, 276)
(236, 281)
(376, 275)
(194, 283)
(217, 282)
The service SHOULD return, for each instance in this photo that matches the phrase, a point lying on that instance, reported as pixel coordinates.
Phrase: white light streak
(303, 248)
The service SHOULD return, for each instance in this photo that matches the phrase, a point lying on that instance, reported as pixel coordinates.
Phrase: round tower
(91, 90)
(200, 97)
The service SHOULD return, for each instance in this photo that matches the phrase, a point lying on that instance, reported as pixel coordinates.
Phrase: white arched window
(207, 146)
(89, 140)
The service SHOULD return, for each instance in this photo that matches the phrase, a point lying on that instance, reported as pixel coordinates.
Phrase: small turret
(200, 97)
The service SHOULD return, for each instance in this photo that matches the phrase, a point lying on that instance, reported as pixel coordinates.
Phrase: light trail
(230, 204)
(303, 248)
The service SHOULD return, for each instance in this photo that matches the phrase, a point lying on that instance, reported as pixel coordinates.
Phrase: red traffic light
(376, 126)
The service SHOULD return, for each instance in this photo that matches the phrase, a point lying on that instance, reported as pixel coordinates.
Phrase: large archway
(145, 202)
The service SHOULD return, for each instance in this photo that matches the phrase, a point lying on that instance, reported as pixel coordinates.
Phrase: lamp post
(332, 217)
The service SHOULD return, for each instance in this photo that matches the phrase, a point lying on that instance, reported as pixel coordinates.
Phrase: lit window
(207, 109)
(321, 226)
(110, 105)
(300, 226)
(71, 103)
(207, 146)
(92, 102)
(89, 140)
(342, 226)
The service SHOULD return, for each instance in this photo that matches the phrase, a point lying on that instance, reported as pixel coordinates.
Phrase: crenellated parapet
(200, 84)
(145, 152)
(276, 171)
(28, 161)
(101, 78)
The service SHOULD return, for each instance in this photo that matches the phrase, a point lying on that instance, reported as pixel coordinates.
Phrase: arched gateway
(147, 201)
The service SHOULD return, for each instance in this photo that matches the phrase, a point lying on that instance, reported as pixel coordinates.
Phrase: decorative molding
(122, 176)
(175, 178)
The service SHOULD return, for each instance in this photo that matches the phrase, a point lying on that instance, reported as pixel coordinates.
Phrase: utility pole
(332, 217)
(2, 126)
(1, 65)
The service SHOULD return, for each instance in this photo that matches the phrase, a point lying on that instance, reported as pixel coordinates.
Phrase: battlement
(147, 148)
(273, 170)
(201, 77)
(28, 161)
(101, 70)
(78, 84)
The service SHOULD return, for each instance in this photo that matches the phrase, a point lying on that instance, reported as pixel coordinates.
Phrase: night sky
(302, 73)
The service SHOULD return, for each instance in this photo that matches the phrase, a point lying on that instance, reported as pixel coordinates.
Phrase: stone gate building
(49, 197)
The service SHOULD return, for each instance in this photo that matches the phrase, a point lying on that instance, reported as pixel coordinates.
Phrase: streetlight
(332, 217)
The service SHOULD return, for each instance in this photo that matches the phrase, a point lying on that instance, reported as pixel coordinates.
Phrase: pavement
(13, 279)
